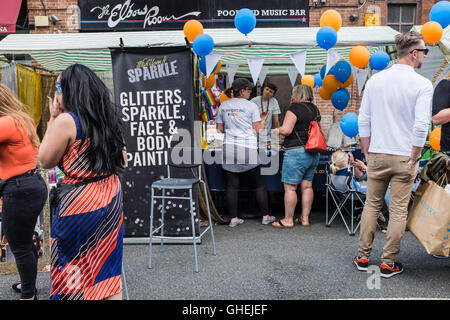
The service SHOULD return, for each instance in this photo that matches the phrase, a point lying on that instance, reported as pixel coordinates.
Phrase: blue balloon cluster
(349, 124)
(379, 60)
(203, 44)
(317, 80)
(323, 71)
(326, 37)
(340, 99)
(245, 21)
(341, 70)
(440, 13)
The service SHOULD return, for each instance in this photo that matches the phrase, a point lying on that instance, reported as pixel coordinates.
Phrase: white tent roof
(57, 51)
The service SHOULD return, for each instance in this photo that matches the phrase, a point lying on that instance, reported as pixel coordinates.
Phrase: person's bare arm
(288, 123)
(276, 121)
(442, 117)
(365, 143)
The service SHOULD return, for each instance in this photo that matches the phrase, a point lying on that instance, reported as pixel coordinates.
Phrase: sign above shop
(8, 15)
(110, 15)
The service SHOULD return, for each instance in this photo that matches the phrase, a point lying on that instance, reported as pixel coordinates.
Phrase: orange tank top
(17, 153)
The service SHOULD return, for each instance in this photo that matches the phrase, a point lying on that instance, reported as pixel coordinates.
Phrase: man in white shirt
(393, 121)
(267, 104)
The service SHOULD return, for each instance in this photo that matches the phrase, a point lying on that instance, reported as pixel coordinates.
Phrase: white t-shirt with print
(238, 116)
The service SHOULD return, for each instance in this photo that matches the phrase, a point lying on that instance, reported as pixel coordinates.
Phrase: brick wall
(58, 8)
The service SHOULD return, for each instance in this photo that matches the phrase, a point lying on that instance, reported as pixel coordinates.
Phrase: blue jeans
(298, 165)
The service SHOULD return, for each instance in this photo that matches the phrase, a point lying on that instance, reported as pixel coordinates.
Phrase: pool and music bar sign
(110, 15)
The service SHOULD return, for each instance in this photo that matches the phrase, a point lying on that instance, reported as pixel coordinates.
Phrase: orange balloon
(348, 82)
(209, 82)
(432, 32)
(219, 65)
(331, 18)
(192, 28)
(435, 139)
(331, 84)
(223, 97)
(308, 80)
(359, 56)
(324, 94)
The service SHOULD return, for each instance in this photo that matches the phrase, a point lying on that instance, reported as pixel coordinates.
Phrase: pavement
(260, 262)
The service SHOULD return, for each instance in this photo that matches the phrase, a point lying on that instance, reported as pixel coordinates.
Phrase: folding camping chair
(342, 191)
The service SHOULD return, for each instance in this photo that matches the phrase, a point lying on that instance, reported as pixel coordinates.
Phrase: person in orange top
(23, 190)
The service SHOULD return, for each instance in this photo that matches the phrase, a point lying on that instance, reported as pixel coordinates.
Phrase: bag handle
(442, 181)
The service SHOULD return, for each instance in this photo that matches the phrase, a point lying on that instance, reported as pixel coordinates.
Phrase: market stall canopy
(57, 51)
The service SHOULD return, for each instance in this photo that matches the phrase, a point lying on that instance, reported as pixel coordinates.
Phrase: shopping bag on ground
(429, 218)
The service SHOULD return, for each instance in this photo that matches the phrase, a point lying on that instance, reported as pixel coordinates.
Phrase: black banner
(110, 15)
(154, 89)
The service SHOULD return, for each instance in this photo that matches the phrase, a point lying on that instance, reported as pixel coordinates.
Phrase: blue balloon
(203, 44)
(440, 13)
(317, 80)
(379, 60)
(245, 21)
(342, 71)
(340, 99)
(323, 70)
(349, 124)
(326, 37)
(202, 65)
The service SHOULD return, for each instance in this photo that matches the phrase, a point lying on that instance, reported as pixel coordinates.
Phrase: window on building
(401, 17)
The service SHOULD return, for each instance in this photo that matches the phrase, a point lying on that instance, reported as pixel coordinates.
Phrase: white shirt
(272, 109)
(395, 110)
(238, 116)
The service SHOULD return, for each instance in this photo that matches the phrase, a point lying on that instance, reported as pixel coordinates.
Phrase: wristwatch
(415, 160)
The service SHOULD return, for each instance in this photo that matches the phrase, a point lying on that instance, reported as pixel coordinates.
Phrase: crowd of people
(85, 139)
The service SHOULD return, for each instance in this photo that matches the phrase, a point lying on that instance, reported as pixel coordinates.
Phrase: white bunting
(231, 71)
(361, 76)
(255, 65)
(332, 58)
(292, 72)
(263, 74)
(211, 61)
(299, 59)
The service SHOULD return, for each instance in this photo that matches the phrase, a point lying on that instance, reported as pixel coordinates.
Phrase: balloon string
(249, 42)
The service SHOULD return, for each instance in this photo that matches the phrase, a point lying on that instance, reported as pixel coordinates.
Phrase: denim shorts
(299, 165)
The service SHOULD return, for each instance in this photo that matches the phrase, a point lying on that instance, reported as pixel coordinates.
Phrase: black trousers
(23, 200)
(257, 181)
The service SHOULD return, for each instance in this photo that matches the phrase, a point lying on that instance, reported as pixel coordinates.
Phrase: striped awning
(56, 52)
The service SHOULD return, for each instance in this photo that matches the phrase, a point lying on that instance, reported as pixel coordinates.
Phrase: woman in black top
(299, 165)
(441, 112)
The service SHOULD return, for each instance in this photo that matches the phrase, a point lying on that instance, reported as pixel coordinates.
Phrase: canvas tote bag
(429, 218)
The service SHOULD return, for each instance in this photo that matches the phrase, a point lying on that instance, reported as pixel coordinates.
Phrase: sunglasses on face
(58, 87)
(425, 51)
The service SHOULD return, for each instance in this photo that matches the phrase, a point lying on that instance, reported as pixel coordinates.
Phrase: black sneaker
(361, 263)
(389, 271)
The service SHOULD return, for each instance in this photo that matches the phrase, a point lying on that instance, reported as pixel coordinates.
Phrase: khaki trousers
(383, 169)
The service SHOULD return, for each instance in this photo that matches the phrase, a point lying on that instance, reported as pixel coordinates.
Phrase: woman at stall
(84, 138)
(23, 190)
(299, 165)
(240, 120)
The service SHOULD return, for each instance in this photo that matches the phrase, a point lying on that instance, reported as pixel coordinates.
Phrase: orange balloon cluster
(331, 18)
(223, 97)
(192, 28)
(432, 32)
(308, 80)
(208, 83)
(435, 139)
(359, 57)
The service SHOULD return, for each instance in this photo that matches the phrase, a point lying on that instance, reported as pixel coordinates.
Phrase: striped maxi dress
(87, 232)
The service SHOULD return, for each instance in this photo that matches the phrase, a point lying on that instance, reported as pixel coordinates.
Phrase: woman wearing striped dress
(84, 138)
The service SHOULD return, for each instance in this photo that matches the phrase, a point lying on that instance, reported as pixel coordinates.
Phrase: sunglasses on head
(425, 51)
(58, 87)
